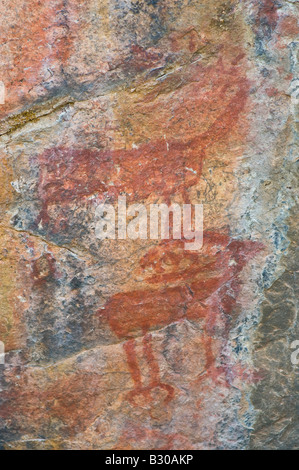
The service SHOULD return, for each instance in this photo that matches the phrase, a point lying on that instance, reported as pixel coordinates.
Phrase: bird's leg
(154, 370)
(129, 348)
(155, 381)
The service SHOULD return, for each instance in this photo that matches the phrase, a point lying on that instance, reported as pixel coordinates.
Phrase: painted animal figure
(180, 286)
(155, 169)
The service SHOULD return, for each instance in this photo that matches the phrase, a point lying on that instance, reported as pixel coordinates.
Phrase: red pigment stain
(68, 400)
(142, 59)
(189, 40)
(268, 12)
(43, 269)
(272, 92)
(195, 286)
(221, 260)
(289, 26)
(40, 50)
(154, 371)
(68, 175)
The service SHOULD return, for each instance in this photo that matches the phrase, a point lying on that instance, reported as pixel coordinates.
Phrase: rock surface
(122, 344)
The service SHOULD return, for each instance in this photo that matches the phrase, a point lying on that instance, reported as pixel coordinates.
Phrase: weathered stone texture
(141, 344)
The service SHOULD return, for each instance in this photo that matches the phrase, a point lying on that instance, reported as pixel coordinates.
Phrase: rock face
(140, 344)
